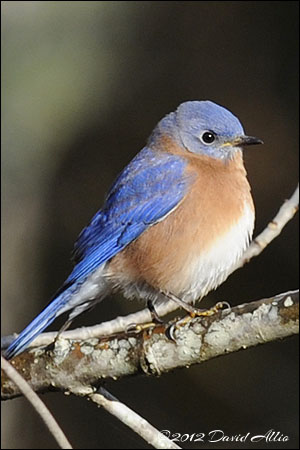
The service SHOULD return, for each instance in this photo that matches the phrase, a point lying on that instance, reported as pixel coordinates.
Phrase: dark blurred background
(83, 84)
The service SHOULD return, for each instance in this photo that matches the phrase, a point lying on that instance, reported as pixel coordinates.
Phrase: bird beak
(246, 140)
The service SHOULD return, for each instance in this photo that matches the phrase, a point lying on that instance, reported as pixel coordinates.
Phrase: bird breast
(192, 250)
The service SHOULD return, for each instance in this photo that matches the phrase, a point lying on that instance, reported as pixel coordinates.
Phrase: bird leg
(154, 316)
(196, 311)
(65, 326)
(186, 306)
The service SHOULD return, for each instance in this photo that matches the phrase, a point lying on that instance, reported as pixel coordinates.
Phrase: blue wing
(148, 188)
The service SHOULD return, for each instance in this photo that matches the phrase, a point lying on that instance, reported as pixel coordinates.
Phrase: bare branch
(36, 402)
(131, 419)
(151, 351)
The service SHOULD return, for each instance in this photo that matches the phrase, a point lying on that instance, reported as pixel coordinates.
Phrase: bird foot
(196, 313)
(211, 311)
(138, 327)
(155, 320)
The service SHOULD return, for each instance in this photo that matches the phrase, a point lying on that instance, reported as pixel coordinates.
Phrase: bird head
(203, 127)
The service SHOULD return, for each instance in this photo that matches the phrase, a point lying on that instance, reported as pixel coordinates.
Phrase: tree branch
(79, 366)
(131, 419)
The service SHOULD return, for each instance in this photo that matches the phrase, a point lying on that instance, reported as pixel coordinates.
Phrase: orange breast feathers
(192, 250)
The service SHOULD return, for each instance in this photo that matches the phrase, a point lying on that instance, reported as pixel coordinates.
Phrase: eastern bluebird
(174, 222)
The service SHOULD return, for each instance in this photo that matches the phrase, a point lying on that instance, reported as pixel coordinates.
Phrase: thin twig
(130, 418)
(37, 404)
(121, 323)
(273, 229)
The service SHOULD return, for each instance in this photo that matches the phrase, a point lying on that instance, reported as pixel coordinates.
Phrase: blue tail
(45, 318)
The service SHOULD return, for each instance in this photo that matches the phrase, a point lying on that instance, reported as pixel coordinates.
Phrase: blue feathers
(42, 321)
(195, 116)
(148, 188)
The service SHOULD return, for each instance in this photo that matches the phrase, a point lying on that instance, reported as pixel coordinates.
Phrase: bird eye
(208, 137)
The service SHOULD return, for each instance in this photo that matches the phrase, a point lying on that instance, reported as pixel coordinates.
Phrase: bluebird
(173, 224)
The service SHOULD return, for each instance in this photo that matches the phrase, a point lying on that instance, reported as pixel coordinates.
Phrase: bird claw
(211, 311)
(195, 313)
(137, 328)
